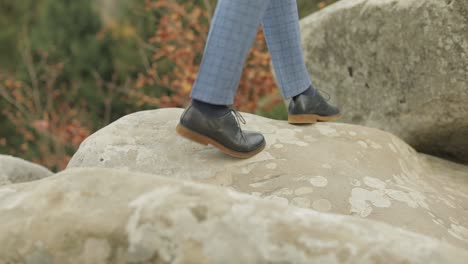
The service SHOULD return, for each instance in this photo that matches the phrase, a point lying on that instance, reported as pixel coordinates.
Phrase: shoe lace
(328, 95)
(239, 119)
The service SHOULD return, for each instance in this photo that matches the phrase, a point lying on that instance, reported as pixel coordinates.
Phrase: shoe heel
(186, 133)
(302, 119)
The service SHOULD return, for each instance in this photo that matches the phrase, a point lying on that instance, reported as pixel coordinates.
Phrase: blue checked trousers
(232, 33)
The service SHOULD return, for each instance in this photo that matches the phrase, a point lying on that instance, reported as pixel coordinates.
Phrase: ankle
(310, 91)
(210, 109)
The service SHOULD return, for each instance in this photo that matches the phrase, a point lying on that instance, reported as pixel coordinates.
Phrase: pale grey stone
(98, 215)
(397, 65)
(16, 170)
(346, 169)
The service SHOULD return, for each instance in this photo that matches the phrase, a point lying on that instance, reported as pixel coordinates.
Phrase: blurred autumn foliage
(179, 41)
(73, 67)
(46, 127)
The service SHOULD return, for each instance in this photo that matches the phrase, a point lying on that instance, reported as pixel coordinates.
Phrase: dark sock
(310, 92)
(212, 110)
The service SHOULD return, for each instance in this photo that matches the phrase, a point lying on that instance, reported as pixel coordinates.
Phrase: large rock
(330, 167)
(86, 215)
(397, 65)
(16, 170)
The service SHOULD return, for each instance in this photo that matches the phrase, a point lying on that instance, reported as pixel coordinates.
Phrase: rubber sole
(204, 140)
(310, 119)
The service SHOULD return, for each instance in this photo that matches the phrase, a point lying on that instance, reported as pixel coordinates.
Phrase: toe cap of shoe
(254, 140)
(334, 110)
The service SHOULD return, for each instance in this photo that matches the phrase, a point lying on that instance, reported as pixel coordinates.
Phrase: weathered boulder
(96, 215)
(397, 65)
(16, 170)
(330, 167)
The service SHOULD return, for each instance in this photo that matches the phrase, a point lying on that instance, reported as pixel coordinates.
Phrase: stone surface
(330, 167)
(15, 170)
(96, 215)
(397, 65)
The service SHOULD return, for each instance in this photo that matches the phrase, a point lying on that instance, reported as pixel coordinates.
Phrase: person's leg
(282, 33)
(208, 120)
(281, 26)
(231, 35)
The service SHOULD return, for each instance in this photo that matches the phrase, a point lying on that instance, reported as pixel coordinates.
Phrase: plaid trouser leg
(282, 33)
(232, 33)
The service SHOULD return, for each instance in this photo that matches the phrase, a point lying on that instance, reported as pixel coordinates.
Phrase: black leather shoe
(222, 132)
(306, 109)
